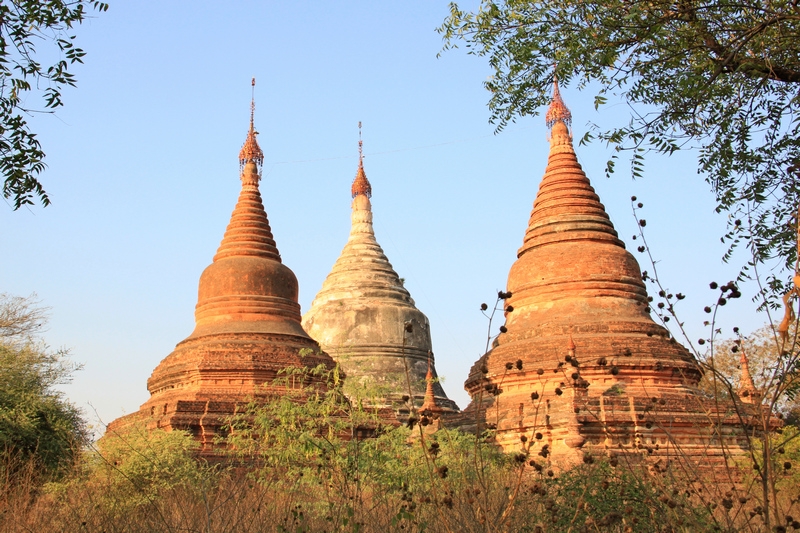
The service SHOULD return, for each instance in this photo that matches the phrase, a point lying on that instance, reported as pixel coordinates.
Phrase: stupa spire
(246, 282)
(361, 191)
(566, 207)
(747, 391)
(361, 185)
(249, 232)
(251, 152)
(571, 347)
(558, 110)
(429, 403)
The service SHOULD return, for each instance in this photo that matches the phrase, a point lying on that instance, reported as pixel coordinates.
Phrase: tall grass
(297, 464)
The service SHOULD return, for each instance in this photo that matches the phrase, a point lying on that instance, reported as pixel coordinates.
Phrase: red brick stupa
(247, 326)
(583, 368)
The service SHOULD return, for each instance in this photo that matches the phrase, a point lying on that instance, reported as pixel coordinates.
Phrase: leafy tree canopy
(38, 426)
(27, 86)
(715, 74)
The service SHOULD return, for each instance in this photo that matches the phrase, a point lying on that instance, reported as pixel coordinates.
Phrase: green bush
(40, 431)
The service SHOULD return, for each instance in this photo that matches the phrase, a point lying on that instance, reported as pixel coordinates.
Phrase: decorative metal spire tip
(251, 152)
(558, 110)
(360, 145)
(361, 184)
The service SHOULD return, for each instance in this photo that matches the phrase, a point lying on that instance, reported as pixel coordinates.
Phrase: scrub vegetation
(296, 465)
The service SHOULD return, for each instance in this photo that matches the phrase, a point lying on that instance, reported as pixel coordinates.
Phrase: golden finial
(558, 109)
(361, 183)
(251, 152)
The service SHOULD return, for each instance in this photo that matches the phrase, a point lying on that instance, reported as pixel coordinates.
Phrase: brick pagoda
(248, 326)
(583, 368)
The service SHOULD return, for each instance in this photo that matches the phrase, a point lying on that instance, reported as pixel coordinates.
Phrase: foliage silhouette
(24, 26)
(719, 76)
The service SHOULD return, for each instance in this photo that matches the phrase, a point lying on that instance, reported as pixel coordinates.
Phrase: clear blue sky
(143, 175)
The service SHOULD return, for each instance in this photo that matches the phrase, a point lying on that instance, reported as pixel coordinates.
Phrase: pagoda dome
(247, 287)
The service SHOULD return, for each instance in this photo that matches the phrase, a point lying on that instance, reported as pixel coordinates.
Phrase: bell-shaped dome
(247, 288)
